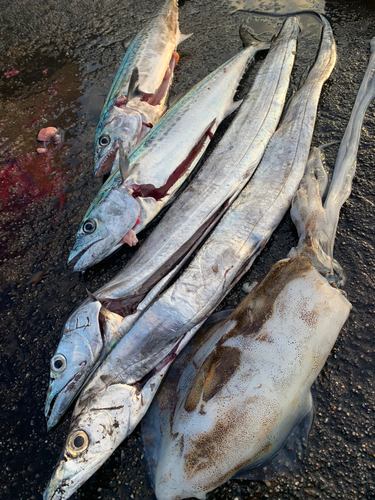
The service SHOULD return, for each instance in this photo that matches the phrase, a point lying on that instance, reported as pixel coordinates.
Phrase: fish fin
(247, 287)
(123, 162)
(233, 107)
(103, 310)
(181, 38)
(152, 437)
(290, 455)
(218, 317)
(133, 89)
(126, 43)
(91, 296)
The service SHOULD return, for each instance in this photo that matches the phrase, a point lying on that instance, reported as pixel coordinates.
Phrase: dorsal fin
(123, 161)
(181, 37)
(133, 89)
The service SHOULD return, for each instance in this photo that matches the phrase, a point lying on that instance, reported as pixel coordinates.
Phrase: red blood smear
(148, 190)
(138, 222)
(155, 99)
(27, 179)
(121, 101)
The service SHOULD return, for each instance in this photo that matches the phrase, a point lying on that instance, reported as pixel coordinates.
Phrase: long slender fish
(233, 399)
(120, 391)
(129, 200)
(217, 184)
(136, 100)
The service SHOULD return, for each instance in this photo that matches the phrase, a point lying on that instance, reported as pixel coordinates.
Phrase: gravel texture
(43, 198)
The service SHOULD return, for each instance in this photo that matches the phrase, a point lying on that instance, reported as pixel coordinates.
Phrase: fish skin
(255, 122)
(157, 157)
(212, 273)
(151, 53)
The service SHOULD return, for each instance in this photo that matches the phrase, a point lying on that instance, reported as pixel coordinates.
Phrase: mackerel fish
(192, 215)
(137, 98)
(121, 389)
(134, 195)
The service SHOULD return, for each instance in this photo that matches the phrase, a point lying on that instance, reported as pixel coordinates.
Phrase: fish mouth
(53, 411)
(75, 258)
(64, 482)
(106, 163)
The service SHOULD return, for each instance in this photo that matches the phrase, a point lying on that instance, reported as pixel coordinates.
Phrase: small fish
(136, 100)
(133, 196)
(193, 214)
(122, 387)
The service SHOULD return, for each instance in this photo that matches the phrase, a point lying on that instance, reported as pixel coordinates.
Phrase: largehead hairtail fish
(152, 342)
(133, 196)
(192, 215)
(232, 400)
(136, 100)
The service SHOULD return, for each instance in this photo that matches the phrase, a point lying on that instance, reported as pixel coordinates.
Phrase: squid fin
(289, 455)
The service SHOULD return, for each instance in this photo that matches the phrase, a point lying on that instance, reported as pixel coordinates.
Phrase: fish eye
(77, 443)
(89, 226)
(58, 363)
(104, 140)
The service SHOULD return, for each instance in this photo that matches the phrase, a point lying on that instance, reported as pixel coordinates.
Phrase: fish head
(121, 124)
(78, 351)
(99, 425)
(107, 225)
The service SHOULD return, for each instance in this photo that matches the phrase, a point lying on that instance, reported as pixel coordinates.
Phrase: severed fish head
(107, 225)
(86, 334)
(120, 124)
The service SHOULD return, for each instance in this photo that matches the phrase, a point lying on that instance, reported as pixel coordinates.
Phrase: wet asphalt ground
(67, 54)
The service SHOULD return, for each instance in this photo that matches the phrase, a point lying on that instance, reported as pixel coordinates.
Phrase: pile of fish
(257, 366)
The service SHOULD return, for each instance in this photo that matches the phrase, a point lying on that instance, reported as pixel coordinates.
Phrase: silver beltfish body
(217, 184)
(113, 402)
(147, 71)
(159, 165)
